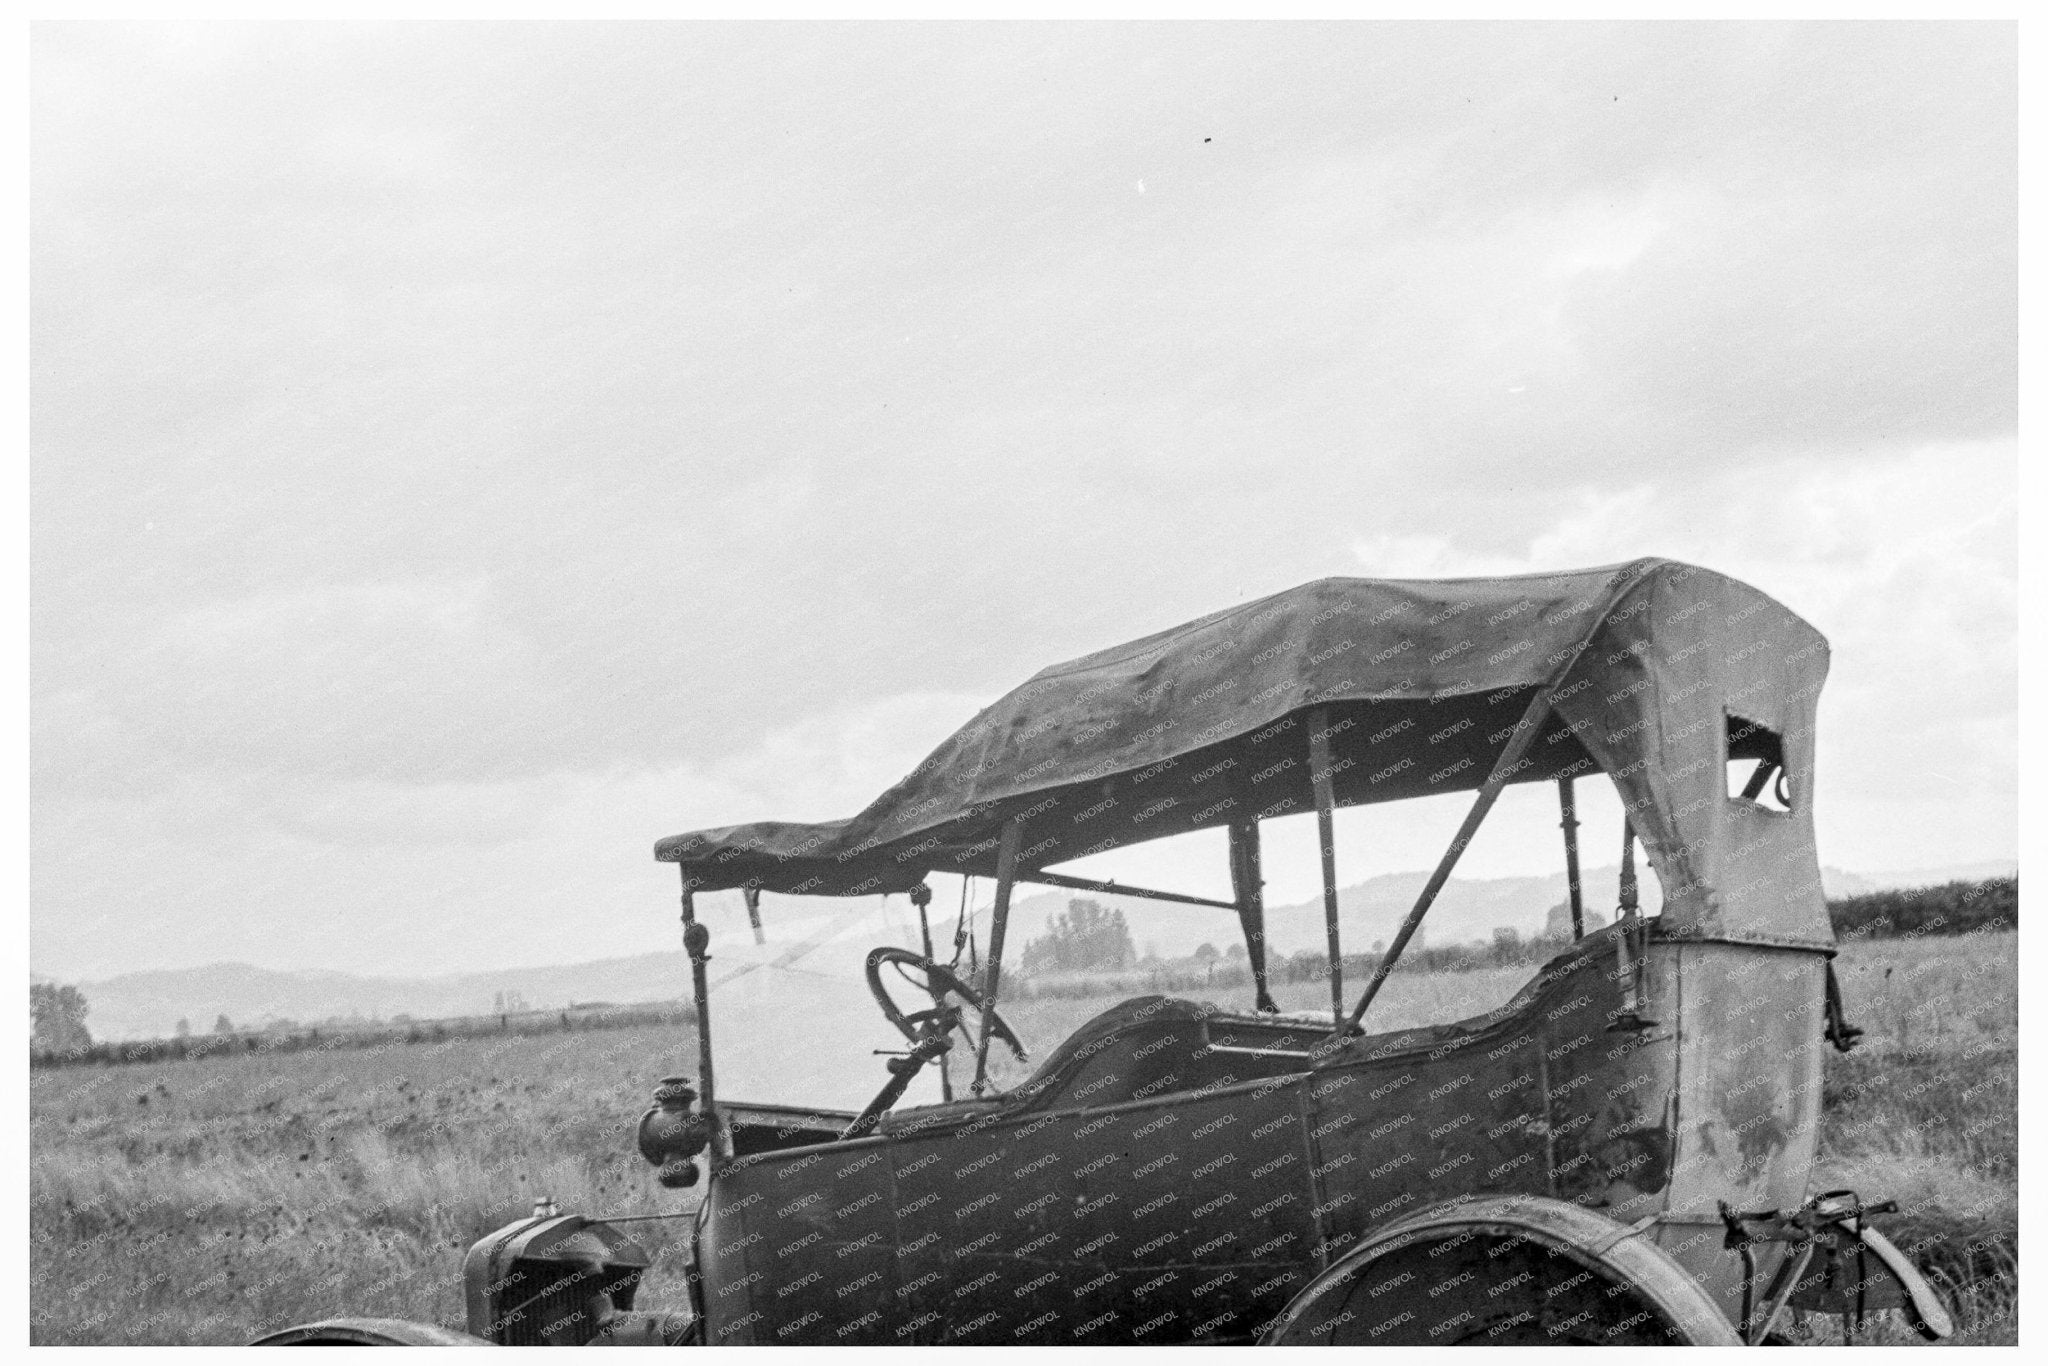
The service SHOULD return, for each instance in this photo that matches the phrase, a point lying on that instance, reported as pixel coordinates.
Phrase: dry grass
(208, 1201)
(1926, 1112)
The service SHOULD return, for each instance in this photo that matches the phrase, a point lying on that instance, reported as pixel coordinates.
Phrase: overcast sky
(463, 455)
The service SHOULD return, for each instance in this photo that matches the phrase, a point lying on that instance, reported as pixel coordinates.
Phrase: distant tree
(1087, 936)
(57, 1018)
(1306, 965)
(184, 1029)
(1206, 952)
(1952, 908)
(223, 1025)
(1557, 922)
(1234, 952)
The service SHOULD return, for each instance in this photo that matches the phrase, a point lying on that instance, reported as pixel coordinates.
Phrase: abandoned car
(1619, 1154)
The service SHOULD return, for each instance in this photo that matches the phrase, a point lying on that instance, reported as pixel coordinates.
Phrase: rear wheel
(1523, 1272)
(368, 1333)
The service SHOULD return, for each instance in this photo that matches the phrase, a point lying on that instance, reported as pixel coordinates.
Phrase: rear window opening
(1756, 765)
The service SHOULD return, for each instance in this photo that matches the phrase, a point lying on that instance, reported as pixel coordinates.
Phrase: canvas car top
(1656, 664)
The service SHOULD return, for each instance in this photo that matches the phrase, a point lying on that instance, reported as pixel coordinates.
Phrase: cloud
(1910, 568)
(452, 439)
(345, 872)
(418, 680)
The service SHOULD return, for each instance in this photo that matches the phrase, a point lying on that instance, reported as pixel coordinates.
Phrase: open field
(208, 1200)
(1925, 1111)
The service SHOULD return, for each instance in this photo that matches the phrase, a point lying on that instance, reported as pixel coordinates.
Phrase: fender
(1889, 1280)
(368, 1333)
(1441, 1270)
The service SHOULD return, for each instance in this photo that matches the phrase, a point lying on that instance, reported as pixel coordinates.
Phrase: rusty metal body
(1177, 1173)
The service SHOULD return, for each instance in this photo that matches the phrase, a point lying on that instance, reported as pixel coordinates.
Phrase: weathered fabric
(1421, 682)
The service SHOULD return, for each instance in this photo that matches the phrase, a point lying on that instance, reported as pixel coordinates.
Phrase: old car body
(1620, 1153)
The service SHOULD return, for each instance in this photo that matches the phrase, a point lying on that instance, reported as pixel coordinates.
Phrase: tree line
(1087, 937)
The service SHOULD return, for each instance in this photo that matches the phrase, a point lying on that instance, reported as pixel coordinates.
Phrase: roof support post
(1248, 885)
(753, 896)
(1628, 930)
(921, 897)
(696, 943)
(1504, 767)
(1569, 806)
(1006, 879)
(1326, 832)
(1627, 898)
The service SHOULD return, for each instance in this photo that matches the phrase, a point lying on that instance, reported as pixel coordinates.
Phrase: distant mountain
(810, 938)
(806, 936)
(149, 1004)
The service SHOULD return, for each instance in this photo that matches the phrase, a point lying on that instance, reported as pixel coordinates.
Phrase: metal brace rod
(1758, 776)
(1790, 1272)
(1504, 767)
(1089, 884)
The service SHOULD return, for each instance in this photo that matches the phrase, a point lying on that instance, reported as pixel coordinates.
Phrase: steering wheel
(941, 987)
(929, 1030)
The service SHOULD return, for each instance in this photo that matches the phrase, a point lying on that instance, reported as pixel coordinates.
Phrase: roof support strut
(1569, 807)
(921, 897)
(1089, 884)
(1326, 832)
(1249, 886)
(1628, 929)
(753, 896)
(1006, 879)
(1505, 767)
(697, 943)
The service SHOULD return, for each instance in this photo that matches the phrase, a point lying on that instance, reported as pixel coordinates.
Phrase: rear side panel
(1750, 1074)
(1613, 1091)
(1748, 1113)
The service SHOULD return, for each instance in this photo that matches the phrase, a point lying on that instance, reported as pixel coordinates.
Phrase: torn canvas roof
(1662, 672)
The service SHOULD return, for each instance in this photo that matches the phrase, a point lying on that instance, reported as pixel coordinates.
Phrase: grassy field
(1926, 1112)
(207, 1201)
